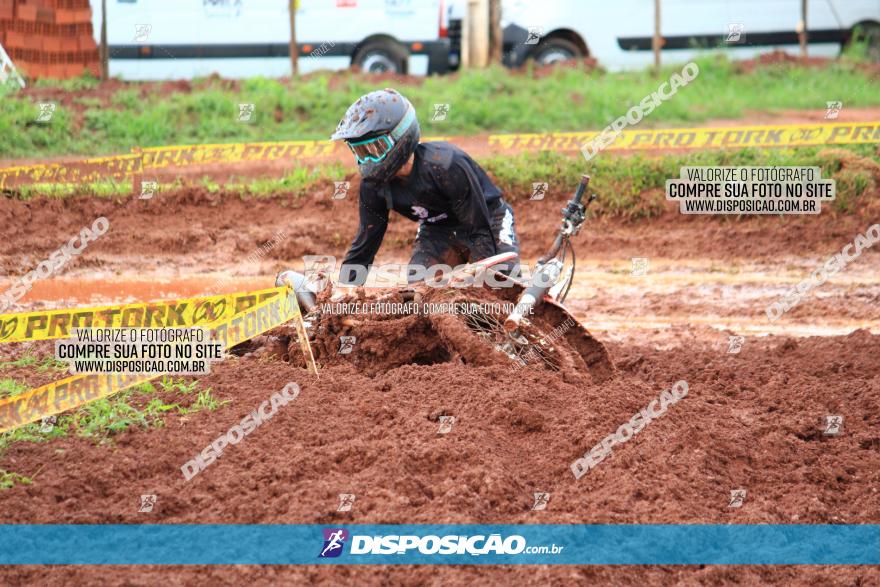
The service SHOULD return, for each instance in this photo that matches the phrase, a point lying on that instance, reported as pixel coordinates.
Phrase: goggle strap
(404, 124)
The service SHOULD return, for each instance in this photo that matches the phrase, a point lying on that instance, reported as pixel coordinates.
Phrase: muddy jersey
(445, 188)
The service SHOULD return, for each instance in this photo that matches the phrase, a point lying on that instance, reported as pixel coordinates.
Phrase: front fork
(544, 279)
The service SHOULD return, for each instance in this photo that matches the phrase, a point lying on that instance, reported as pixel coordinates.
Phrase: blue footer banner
(411, 544)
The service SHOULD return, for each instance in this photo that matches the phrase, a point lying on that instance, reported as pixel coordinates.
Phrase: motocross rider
(461, 214)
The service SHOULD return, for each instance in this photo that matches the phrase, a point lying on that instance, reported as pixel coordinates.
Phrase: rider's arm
(371, 231)
(468, 203)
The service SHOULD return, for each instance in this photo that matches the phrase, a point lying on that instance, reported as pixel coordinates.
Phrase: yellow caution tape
(182, 156)
(155, 158)
(197, 311)
(784, 135)
(72, 392)
(73, 172)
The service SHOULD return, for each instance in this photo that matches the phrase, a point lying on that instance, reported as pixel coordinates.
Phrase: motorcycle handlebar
(581, 188)
(572, 212)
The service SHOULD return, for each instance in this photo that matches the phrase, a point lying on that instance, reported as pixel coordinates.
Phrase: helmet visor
(374, 149)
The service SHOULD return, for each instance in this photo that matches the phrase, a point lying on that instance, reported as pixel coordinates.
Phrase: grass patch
(106, 188)
(8, 479)
(492, 100)
(628, 186)
(10, 387)
(634, 186)
(298, 181)
(53, 364)
(26, 360)
(204, 401)
(99, 420)
(180, 386)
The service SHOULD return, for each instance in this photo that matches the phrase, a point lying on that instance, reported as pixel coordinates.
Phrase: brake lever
(576, 214)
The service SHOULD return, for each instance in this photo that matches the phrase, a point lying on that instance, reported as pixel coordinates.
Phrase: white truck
(158, 39)
(618, 33)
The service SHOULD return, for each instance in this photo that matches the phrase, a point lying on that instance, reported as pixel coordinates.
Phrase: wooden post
(105, 53)
(496, 35)
(657, 41)
(465, 57)
(802, 32)
(478, 17)
(294, 53)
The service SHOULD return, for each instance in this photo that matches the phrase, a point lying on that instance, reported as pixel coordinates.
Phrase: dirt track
(751, 420)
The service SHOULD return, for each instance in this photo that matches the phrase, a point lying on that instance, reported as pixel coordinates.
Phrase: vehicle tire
(381, 56)
(868, 33)
(554, 50)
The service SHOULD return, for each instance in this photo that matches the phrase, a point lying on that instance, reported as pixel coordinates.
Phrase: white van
(158, 39)
(618, 33)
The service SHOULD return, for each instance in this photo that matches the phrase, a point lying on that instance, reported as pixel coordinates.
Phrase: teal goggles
(375, 149)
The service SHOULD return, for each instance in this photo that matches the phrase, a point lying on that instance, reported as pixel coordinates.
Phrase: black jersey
(445, 187)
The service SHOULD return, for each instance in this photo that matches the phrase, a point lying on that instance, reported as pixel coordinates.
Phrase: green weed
(26, 360)
(51, 363)
(101, 419)
(204, 401)
(8, 479)
(10, 387)
(180, 386)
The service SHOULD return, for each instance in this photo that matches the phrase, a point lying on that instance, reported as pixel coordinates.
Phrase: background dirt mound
(779, 57)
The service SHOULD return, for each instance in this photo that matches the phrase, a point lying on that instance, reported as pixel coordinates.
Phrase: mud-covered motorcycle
(487, 317)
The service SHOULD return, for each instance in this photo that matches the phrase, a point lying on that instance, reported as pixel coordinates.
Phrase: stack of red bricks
(49, 38)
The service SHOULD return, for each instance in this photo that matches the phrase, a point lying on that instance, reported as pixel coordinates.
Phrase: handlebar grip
(581, 188)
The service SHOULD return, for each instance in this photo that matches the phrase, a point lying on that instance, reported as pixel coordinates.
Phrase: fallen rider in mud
(461, 214)
(463, 223)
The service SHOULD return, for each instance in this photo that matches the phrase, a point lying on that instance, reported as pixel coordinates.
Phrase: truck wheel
(556, 49)
(869, 34)
(381, 57)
